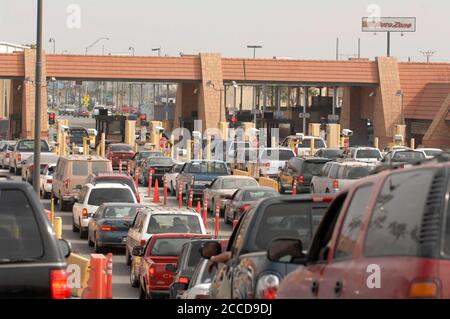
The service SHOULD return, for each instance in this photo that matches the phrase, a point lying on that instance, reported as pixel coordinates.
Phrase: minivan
(70, 176)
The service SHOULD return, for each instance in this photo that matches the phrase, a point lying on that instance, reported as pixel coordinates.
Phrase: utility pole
(38, 87)
(254, 47)
(428, 54)
(337, 49)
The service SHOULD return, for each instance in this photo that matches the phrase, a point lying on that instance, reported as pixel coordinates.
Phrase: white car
(47, 180)
(364, 154)
(200, 282)
(159, 220)
(430, 152)
(91, 197)
(271, 160)
(172, 177)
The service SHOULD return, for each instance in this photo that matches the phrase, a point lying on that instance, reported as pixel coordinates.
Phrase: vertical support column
(304, 108)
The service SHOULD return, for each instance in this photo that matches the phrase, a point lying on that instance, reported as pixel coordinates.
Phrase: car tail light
(335, 184)
(19, 157)
(244, 207)
(58, 284)
(201, 297)
(66, 184)
(84, 213)
(301, 179)
(143, 242)
(106, 227)
(267, 165)
(424, 289)
(318, 199)
(267, 287)
(151, 271)
(183, 280)
(49, 181)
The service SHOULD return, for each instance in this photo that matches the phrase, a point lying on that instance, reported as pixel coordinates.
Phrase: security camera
(159, 129)
(347, 132)
(197, 134)
(254, 130)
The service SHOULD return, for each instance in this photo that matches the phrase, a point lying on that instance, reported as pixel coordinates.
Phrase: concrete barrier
(268, 182)
(240, 173)
(84, 267)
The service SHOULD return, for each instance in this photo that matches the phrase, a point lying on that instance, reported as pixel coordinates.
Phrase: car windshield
(121, 148)
(143, 155)
(312, 168)
(368, 154)
(99, 196)
(76, 136)
(286, 221)
(28, 146)
(116, 180)
(408, 155)
(306, 143)
(358, 172)
(168, 246)
(174, 223)
(166, 161)
(122, 212)
(255, 195)
(277, 155)
(19, 232)
(208, 168)
(238, 183)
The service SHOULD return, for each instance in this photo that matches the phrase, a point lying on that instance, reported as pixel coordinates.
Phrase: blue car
(108, 228)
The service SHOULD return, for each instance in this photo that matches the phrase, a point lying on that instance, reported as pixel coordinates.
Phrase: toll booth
(113, 127)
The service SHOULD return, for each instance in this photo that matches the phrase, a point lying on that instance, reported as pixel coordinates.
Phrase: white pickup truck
(22, 151)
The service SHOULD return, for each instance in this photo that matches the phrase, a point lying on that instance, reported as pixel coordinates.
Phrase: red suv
(120, 153)
(387, 236)
(158, 260)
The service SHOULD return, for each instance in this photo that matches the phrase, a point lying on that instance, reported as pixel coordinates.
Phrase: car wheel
(327, 191)
(83, 233)
(172, 189)
(74, 227)
(11, 170)
(97, 249)
(134, 281)
(142, 294)
(62, 205)
(90, 242)
(312, 189)
(55, 199)
(281, 189)
(227, 220)
(127, 257)
(17, 172)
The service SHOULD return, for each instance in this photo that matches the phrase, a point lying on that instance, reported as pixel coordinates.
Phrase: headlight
(267, 286)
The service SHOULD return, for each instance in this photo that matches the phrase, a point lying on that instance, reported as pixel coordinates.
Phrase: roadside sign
(305, 115)
(86, 100)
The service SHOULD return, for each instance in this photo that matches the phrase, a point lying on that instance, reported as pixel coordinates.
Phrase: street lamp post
(52, 40)
(94, 43)
(37, 113)
(157, 49)
(254, 47)
(131, 49)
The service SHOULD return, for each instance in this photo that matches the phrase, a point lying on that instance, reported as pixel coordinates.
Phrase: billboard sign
(388, 24)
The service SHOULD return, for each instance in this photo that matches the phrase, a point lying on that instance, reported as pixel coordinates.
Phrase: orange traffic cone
(156, 198)
(199, 208)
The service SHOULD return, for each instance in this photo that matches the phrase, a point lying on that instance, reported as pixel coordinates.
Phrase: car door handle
(314, 288)
(338, 287)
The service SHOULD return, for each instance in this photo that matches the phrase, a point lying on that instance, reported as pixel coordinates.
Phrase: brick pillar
(28, 95)
(209, 101)
(438, 134)
(387, 106)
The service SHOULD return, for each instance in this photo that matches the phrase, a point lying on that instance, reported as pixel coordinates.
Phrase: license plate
(124, 239)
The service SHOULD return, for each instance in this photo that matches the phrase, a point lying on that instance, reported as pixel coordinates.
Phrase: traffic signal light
(143, 117)
(51, 118)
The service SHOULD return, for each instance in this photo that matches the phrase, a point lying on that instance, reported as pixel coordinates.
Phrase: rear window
(119, 212)
(76, 136)
(277, 155)
(368, 154)
(357, 172)
(208, 168)
(238, 183)
(110, 195)
(408, 155)
(433, 152)
(313, 168)
(168, 246)
(172, 223)
(332, 153)
(28, 146)
(121, 148)
(193, 259)
(258, 194)
(126, 181)
(289, 220)
(79, 168)
(307, 144)
(19, 233)
(160, 161)
(396, 221)
(99, 167)
(143, 155)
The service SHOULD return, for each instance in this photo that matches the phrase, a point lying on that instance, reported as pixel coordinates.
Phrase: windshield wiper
(16, 260)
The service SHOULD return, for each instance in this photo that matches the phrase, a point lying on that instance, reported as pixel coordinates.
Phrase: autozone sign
(388, 24)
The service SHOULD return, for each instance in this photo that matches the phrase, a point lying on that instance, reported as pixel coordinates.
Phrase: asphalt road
(121, 283)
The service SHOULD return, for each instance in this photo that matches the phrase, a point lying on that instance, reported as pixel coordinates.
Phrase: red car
(158, 260)
(386, 236)
(120, 152)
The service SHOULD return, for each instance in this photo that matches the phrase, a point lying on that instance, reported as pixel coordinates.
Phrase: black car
(32, 260)
(159, 165)
(249, 274)
(301, 169)
(140, 157)
(189, 258)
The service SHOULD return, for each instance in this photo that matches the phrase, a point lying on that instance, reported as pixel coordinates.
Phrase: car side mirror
(286, 250)
(138, 251)
(228, 197)
(210, 249)
(65, 247)
(171, 267)
(177, 286)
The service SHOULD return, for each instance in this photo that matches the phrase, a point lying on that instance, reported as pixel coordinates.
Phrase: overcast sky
(285, 28)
